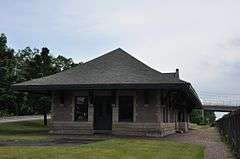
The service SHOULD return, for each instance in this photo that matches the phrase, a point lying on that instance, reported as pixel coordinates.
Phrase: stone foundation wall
(168, 128)
(124, 129)
(144, 129)
(71, 128)
(135, 129)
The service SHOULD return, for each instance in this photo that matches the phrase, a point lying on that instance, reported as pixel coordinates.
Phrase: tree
(44, 67)
(210, 117)
(198, 117)
(25, 65)
(35, 64)
(63, 63)
(7, 76)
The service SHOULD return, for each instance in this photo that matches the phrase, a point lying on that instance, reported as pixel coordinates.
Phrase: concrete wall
(147, 118)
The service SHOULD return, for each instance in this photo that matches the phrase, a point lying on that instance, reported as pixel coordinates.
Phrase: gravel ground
(209, 138)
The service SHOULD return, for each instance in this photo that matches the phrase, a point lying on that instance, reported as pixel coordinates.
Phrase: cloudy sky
(200, 37)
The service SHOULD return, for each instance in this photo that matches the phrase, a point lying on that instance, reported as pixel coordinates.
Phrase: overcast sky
(201, 38)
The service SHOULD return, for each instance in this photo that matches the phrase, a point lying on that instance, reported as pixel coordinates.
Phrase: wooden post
(45, 118)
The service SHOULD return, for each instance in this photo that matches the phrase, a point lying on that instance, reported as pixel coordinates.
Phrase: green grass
(110, 149)
(24, 131)
(32, 131)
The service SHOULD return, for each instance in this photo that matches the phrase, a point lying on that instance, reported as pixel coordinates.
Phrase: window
(126, 109)
(81, 109)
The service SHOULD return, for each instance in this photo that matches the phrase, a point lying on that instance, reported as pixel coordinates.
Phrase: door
(103, 113)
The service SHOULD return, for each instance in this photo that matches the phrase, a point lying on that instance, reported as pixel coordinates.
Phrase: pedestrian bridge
(220, 108)
(220, 103)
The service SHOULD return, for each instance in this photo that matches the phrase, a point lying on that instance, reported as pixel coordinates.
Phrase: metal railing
(229, 128)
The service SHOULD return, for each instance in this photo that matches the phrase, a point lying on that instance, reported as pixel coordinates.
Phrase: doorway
(103, 113)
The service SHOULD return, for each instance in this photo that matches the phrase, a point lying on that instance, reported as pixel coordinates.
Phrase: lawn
(110, 149)
(24, 131)
(117, 148)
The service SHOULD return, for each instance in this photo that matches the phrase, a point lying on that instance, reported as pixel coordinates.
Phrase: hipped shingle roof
(115, 67)
(114, 70)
